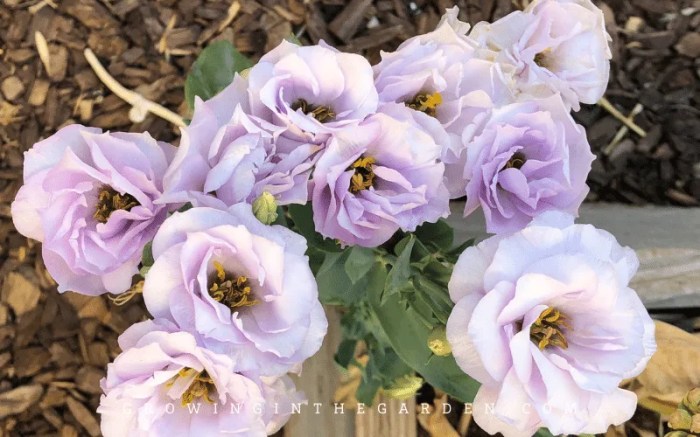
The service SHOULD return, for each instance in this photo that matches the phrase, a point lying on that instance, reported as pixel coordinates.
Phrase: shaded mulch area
(54, 349)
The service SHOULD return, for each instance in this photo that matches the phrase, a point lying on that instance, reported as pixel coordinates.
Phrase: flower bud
(677, 434)
(680, 419)
(404, 387)
(437, 342)
(695, 424)
(691, 401)
(265, 208)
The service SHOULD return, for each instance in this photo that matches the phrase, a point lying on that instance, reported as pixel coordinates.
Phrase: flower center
(110, 200)
(425, 102)
(541, 58)
(201, 387)
(321, 113)
(547, 329)
(231, 290)
(516, 161)
(363, 178)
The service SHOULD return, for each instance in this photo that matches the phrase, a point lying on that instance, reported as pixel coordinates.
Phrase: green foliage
(408, 335)
(392, 298)
(146, 259)
(213, 70)
(544, 432)
(399, 277)
(395, 302)
(439, 235)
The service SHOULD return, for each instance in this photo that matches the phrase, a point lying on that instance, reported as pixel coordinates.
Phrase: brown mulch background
(54, 348)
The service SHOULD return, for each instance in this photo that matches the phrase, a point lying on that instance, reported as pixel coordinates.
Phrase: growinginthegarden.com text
(336, 408)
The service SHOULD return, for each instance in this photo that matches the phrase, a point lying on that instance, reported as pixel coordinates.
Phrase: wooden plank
(319, 380)
(666, 239)
(399, 419)
(639, 227)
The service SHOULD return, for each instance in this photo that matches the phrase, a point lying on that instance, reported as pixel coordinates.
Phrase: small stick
(623, 130)
(141, 105)
(627, 121)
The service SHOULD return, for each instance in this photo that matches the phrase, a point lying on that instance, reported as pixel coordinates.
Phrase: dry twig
(141, 105)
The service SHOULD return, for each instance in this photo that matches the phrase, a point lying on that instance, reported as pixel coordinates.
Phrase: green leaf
(147, 255)
(281, 217)
(439, 234)
(334, 285)
(303, 219)
(400, 274)
(146, 259)
(213, 70)
(185, 207)
(346, 352)
(544, 432)
(409, 338)
(368, 389)
(359, 261)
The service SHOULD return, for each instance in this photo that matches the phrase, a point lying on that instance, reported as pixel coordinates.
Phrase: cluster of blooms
(543, 313)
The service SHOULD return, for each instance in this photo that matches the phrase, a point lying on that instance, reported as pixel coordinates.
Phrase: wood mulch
(54, 348)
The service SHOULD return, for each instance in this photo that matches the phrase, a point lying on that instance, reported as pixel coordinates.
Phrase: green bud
(437, 342)
(691, 401)
(677, 434)
(265, 208)
(404, 387)
(680, 419)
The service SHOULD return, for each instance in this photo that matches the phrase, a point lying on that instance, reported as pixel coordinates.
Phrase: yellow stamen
(548, 329)
(363, 178)
(110, 200)
(516, 161)
(426, 102)
(232, 291)
(321, 113)
(201, 386)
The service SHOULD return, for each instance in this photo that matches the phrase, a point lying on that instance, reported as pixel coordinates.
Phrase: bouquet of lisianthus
(315, 178)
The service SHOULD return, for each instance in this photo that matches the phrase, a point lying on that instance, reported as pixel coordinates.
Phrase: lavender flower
(91, 199)
(545, 320)
(312, 90)
(528, 157)
(166, 384)
(555, 46)
(441, 81)
(226, 157)
(244, 288)
(375, 179)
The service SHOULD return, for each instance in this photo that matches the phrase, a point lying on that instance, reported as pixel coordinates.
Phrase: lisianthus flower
(527, 158)
(376, 178)
(166, 384)
(439, 79)
(311, 90)
(245, 288)
(226, 157)
(91, 199)
(545, 320)
(558, 46)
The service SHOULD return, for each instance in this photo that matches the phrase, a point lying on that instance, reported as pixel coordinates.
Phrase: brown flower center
(231, 290)
(547, 330)
(201, 387)
(321, 113)
(425, 102)
(363, 178)
(110, 200)
(516, 161)
(541, 58)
